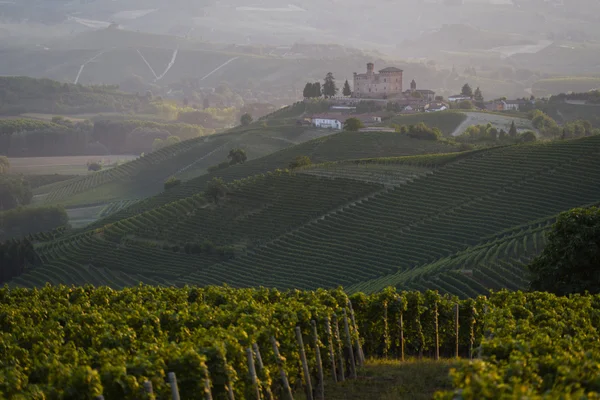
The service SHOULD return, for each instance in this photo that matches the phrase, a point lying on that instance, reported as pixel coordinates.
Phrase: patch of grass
(382, 379)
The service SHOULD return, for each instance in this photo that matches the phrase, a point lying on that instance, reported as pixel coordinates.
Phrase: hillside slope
(459, 223)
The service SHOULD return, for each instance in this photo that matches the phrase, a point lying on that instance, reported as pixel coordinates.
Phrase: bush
(172, 182)
(421, 131)
(94, 166)
(300, 161)
(528, 136)
(218, 167)
(246, 119)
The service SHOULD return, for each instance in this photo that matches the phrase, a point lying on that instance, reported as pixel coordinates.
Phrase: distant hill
(21, 94)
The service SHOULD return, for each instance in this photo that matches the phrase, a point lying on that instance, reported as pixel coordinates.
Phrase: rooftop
(390, 69)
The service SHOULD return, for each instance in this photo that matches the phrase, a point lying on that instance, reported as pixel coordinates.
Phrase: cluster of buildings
(385, 86)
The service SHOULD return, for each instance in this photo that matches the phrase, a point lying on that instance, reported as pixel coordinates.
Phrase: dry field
(72, 165)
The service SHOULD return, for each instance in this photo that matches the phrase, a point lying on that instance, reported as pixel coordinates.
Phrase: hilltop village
(383, 91)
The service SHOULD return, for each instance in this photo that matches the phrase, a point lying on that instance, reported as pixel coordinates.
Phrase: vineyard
(340, 146)
(459, 223)
(146, 173)
(222, 343)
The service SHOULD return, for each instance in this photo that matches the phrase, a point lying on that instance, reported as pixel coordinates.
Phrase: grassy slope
(391, 380)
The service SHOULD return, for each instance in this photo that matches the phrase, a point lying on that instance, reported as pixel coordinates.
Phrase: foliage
(216, 189)
(421, 131)
(172, 182)
(478, 96)
(312, 90)
(576, 129)
(161, 144)
(21, 221)
(329, 87)
(94, 166)
(237, 156)
(544, 124)
(512, 132)
(4, 165)
(14, 191)
(466, 90)
(353, 124)
(22, 95)
(246, 119)
(536, 346)
(300, 161)
(346, 90)
(15, 257)
(528, 136)
(465, 105)
(570, 263)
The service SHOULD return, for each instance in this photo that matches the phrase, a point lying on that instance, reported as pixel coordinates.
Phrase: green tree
(246, 119)
(478, 96)
(158, 144)
(4, 165)
(353, 124)
(317, 90)
(512, 132)
(570, 261)
(347, 91)
(172, 182)
(466, 90)
(300, 161)
(14, 191)
(307, 93)
(215, 190)
(237, 156)
(329, 87)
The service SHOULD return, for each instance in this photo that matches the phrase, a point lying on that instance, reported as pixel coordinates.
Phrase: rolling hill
(460, 223)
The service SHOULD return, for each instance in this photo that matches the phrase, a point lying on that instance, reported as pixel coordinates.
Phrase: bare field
(71, 165)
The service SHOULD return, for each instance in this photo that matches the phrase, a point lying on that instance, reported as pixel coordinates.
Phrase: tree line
(22, 221)
(328, 89)
(15, 257)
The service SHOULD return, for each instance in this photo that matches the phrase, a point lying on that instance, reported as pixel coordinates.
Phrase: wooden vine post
(437, 333)
(252, 371)
(308, 385)
(330, 347)
(349, 347)
(339, 347)
(174, 388)
(359, 350)
(402, 336)
(148, 387)
(284, 379)
(456, 311)
(321, 387)
(261, 367)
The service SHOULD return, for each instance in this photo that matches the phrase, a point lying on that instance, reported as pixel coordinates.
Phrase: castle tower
(413, 86)
(370, 68)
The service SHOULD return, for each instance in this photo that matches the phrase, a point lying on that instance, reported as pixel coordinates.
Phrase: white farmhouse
(459, 97)
(326, 121)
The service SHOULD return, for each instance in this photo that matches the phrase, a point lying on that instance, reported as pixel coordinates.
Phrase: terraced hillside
(338, 146)
(192, 233)
(460, 223)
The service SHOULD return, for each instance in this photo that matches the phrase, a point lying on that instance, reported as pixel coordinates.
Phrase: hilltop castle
(387, 83)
